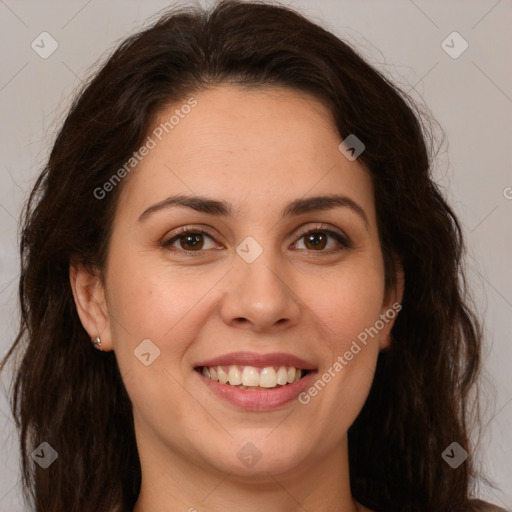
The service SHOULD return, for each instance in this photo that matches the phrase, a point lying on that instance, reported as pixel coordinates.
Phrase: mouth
(253, 378)
(256, 382)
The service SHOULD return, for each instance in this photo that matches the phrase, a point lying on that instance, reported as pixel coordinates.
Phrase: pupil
(316, 243)
(192, 240)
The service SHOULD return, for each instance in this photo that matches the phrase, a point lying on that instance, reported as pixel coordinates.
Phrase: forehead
(248, 147)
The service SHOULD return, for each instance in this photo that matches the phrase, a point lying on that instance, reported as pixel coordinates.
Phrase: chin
(255, 460)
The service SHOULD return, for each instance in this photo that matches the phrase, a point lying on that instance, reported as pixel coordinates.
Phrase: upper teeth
(250, 376)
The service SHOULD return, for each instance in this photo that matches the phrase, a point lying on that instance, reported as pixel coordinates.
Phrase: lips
(258, 360)
(274, 380)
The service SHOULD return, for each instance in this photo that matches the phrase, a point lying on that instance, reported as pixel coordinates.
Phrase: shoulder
(484, 506)
(480, 506)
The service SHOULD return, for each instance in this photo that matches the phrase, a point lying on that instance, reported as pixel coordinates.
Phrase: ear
(392, 305)
(91, 305)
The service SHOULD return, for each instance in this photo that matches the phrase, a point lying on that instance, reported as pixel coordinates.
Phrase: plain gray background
(470, 96)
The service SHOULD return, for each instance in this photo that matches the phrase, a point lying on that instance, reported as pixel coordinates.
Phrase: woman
(240, 285)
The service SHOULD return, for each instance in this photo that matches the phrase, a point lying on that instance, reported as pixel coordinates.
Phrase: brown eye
(191, 240)
(316, 240)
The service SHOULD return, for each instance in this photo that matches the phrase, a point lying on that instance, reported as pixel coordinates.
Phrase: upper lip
(261, 360)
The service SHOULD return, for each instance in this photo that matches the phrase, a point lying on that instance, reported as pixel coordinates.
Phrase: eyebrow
(223, 208)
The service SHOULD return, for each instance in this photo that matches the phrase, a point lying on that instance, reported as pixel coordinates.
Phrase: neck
(172, 482)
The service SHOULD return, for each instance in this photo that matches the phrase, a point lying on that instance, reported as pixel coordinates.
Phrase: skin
(258, 150)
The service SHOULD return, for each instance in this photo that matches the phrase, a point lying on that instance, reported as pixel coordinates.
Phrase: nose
(260, 296)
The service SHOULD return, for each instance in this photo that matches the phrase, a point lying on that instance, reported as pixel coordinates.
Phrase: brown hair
(72, 396)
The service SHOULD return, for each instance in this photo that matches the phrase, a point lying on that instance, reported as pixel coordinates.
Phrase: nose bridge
(260, 273)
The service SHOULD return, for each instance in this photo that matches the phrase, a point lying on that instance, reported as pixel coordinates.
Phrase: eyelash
(343, 240)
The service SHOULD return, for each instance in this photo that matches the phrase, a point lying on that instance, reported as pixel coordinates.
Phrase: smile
(253, 378)
(256, 382)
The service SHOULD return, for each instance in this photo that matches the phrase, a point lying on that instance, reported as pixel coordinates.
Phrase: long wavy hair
(70, 395)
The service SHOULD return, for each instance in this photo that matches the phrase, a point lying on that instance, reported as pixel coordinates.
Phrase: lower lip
(258, 400)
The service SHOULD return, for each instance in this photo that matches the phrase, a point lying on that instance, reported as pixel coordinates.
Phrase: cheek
(168, 307)
(347, 302)
(162, 303)
(151, 299)
(346, 307)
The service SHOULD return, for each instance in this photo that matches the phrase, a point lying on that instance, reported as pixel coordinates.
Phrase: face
(255, 284)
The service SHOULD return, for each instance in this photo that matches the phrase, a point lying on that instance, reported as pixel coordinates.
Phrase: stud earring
(97, 343)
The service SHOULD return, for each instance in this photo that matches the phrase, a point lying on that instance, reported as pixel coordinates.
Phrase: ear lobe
(392, 305)
(90, 303)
